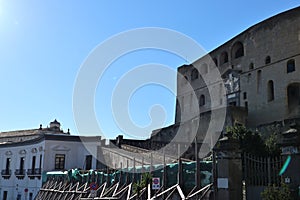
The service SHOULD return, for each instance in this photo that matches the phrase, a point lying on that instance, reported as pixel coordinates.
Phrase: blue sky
(44, 43)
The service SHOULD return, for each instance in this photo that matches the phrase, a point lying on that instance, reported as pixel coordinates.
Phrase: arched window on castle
(270, 90)
(251, 66)
(237, 50)
(223, 57)
(195, 74)
(202, 100)
(268, 60)
(290, 66)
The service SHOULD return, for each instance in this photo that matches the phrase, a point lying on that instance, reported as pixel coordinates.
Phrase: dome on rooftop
(55, 124)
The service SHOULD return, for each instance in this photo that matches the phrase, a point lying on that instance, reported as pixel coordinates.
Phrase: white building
(26, 155)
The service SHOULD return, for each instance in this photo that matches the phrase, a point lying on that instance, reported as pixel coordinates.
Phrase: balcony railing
(34, 172)
(20, 172)
(6, 172)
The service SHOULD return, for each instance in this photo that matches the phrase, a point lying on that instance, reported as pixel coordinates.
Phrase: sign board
(287, 180)
(223, 183)
(289, 150)
(93, 193)
(155, 183)
(93, 186)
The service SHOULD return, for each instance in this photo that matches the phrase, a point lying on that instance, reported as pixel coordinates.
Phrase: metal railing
(34, 172)
(6, 172)
(20, 172)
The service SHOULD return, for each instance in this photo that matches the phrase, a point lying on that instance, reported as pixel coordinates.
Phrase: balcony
(20, 173)
(6, 173)
(32, 173)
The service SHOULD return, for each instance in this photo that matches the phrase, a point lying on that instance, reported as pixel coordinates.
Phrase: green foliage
(146, 179)
(277, 193)
(249, 142)
(252, 142)
(139, 185)
(271, 145)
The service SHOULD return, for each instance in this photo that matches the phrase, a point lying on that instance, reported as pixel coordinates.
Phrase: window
(246, 104)
(4, 195)
(290, 66)
(59, 161)
(7, 167)
(293, 95)
(202, 100)
(268, 60)
(33, 163)
(30, 196)
(88, 162)
(270, 90)
(224, 57)
(237, 50)
(40, 164)
(195, 74)
(251, 66)
(245, 95)
(22, 161)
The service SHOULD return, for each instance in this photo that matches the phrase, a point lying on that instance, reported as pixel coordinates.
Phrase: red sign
(93, 186)
(155, 183)
(26, 190)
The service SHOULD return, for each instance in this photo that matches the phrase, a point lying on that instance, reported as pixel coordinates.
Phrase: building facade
(260, 71)
(259, 85)
(27, 155)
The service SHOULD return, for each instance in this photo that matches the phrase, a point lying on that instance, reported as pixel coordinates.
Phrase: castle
(259, 85)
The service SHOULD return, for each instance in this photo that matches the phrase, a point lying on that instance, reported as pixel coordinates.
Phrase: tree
(271, 145)
(277, 193)
(139, 185)
(249, 142)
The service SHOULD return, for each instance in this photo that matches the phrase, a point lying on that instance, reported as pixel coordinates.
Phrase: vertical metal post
(134, 171)
(121, 171)
(165, 173)
(198, 170)
(269, 171)
(215, 176)
(165, 170)
(107, 176)
(179, 175)
(127, 173)
(115, 174)
(143, 170)
(245, 173)
(151, 162)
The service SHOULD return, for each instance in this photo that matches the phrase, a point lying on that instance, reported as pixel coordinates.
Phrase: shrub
(277, 193)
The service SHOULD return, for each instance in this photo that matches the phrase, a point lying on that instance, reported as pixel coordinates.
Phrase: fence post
(165, 174)
(269, 171)
(198, 170)
(179, 175)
